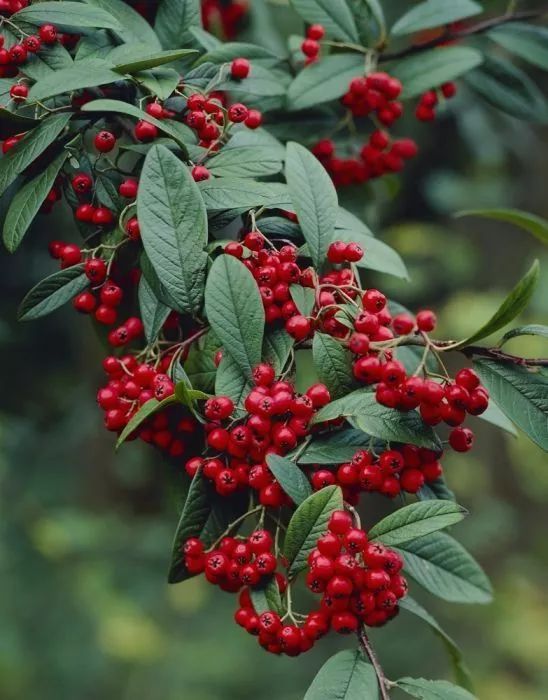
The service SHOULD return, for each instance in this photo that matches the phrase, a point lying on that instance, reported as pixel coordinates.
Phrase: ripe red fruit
(240, 68)
(84, 303)
(128, 188)
(461, 439)
(411, 480)
(155, 109)
(102, 216)
(81, 183)
(18, 54)
(104, 141)
(310, 48)
(354, 252)
(426, 320)
(373, 301)
(336, 253)
(145, 131)
(254, 119)
(19, 92)
(319, 395)
(106, 315)
(238, 113)
(315, 31)
(111, 294)
(70, 255)
(96, 270)
(298, 327)
(200, 172)
(344, 623)
(48, 33)
(340, 522)
(263, 374)
(133, 229)
(468, 379)
(84, 213)
(32, 43)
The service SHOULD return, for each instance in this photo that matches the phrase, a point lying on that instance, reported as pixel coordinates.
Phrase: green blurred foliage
(85, 534)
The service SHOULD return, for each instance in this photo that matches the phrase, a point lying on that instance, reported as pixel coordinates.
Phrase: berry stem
(372, 656)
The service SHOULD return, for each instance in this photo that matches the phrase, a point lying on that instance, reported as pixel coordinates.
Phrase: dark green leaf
(521, 394)
(508, 88)
(290, 477)
(496, 417)
(528, 41)
(173, 224)
(147, 409)
(135, 57)
(378, 255)
(225, 53)
(442, 566)
(430, 69)
(511, 307)
(434, 13)
(233, 193)
(334, 449)
(96, 45)
(304, 298)
(324, 81)
(528, 222)
(32, 145)
(416, 520)
(261, 82)
(10, 122)
(78, 76)
(267, 597)
(462, 674)
(231, 381)
(436, 490)
(200, 364)
(174, 19)
(27, 202)
(46, 62)
(235, 311)
(160, 81)
(277, 348)
(314, 199)
(245, 162)
(67, 16)
(132, 27)
(52, 292)
(153, 312)
(345, 676)
(348, 406)
(336, 17)
(308, 523)
(532, 329)
(333, 363)
(433, 690)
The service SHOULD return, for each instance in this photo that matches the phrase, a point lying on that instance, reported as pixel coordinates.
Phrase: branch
(500, 356)
(372, 656)
(479, 28)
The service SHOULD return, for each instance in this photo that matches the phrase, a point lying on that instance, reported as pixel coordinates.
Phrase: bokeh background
(85, 534)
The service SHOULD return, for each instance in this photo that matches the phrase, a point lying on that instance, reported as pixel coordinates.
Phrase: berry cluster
(11, 59)
(235, 562)
(276, 419)
(311, 44)
(224, 15)
(407, 469)
(426, 109)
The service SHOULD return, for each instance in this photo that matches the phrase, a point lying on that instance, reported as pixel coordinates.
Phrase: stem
(496, 354)
(372, 656)
(479, 28)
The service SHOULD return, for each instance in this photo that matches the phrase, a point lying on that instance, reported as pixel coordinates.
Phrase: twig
(372, 656)
(479, 28)
(500, 356)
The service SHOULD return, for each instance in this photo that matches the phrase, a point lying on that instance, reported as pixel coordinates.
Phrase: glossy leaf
(496, 417)
(308, 523)
(314, 199)
(247, 162)
(27, 202)
(511, 307)
(531, 223)
(334, 449)
(200, 364)
(139, 58)
(430, 69)
(345, 676)
(521, 394)
(336, 17)
(290, 477)
(277, 346)
(333, 364)
(433, 690)
(434, 13)
(67, 16)
(444, 568)
(52, 292)
(235, 311)
(234, 193)
(416, 520)
(323, 81)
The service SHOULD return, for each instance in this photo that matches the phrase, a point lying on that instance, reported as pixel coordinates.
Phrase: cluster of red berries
(311, 44)
(426, 109)
(225, 16)
(235, 562)
(16, 55)
(277, 418)
(407, 468)
(82, 185)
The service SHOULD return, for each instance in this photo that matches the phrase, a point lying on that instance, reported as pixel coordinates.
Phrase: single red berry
(426, 320)
(468, 379)
(340, 522)
(70, 255)
(48, 33)
(200, 173)
(128, 188)
(102, 216)
(319, 395)
(84, 213)
(133, 229)
(412, 480)
(85, 303)
(254, 119)
(96, 270)
(104, 141)
(336, 253)
(238, 113)
(111, 294)
(461, 439)
(106, 315)
(298, 327)
(310, 48)
(19, 92)
(155, 110)
(373, 301)
(315, 31)
(354, 252)
(240, 68)
(18, 54)
(81, 183)
(32, 43)
(145, 131)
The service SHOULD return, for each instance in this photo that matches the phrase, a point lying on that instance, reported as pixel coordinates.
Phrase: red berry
(315, 31)
(319, 395)
(145, 131)
(310, 48)
(298, 327)
(70, 255)
(240, 68)
(128, 188)
(461, 439)
(340, 522)
(48, 33)
(468, 379)
(336, 253)
(96, 270)
(133, 229)
(200, 173)
(155, 110)
(238, 113)
(84, 213)
(81, 183)
(426, 321)
(254, 119)
(104, 141)
(85, 302)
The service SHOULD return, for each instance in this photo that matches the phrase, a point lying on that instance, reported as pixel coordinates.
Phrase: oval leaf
(433, 690)
(52, 292)
(434, 13)
(290, 477)
(528, 222)
(324, 81)
(132, 26)
(345, 676)
(336, 17)
(84, 74)
(333, 364)
(416, 520)
(527, 41)
(67, 16)
(532, 329)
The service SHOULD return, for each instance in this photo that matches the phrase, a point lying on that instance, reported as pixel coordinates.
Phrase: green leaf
(277, 346)
(511, 307)
(433, 690)
(532, 329)
(314, 198)
(231, 381)
(528, 41)
(267, 597)
(333, 363)
(245, 162)
(119, 107)
(290, 477)
(10, 122)
(380, 421)
(139, 58)
(434, 13)
(173, 224)
(233, 193)
(508, 88)
(261, 82)
(224, 53)
(442, 566)
(462, 674)
(416, 520)
(378, 255)
(200, 364)
(436, 490)
(235, 311)
(71, 17)
(132, 27)
(308, 523)
(496, 417)
(304, 298)
(46, 62)
(96, 45)
(154, 313)
(324, 81)
(52, 292)
(335, 449)
(430, 69)
(27, 202)
(336, 17)
(345, 676)
(531, 223)
(32, 145)
(521, 395)
(78, 76)
(174, 18)
(147, 409)
(160, 81)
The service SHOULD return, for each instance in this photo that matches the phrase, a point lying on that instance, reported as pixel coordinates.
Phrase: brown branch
(473, 30)
(372, 656)
(500, 356)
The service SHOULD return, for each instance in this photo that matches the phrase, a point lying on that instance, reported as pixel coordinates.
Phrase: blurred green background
(85, 534)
